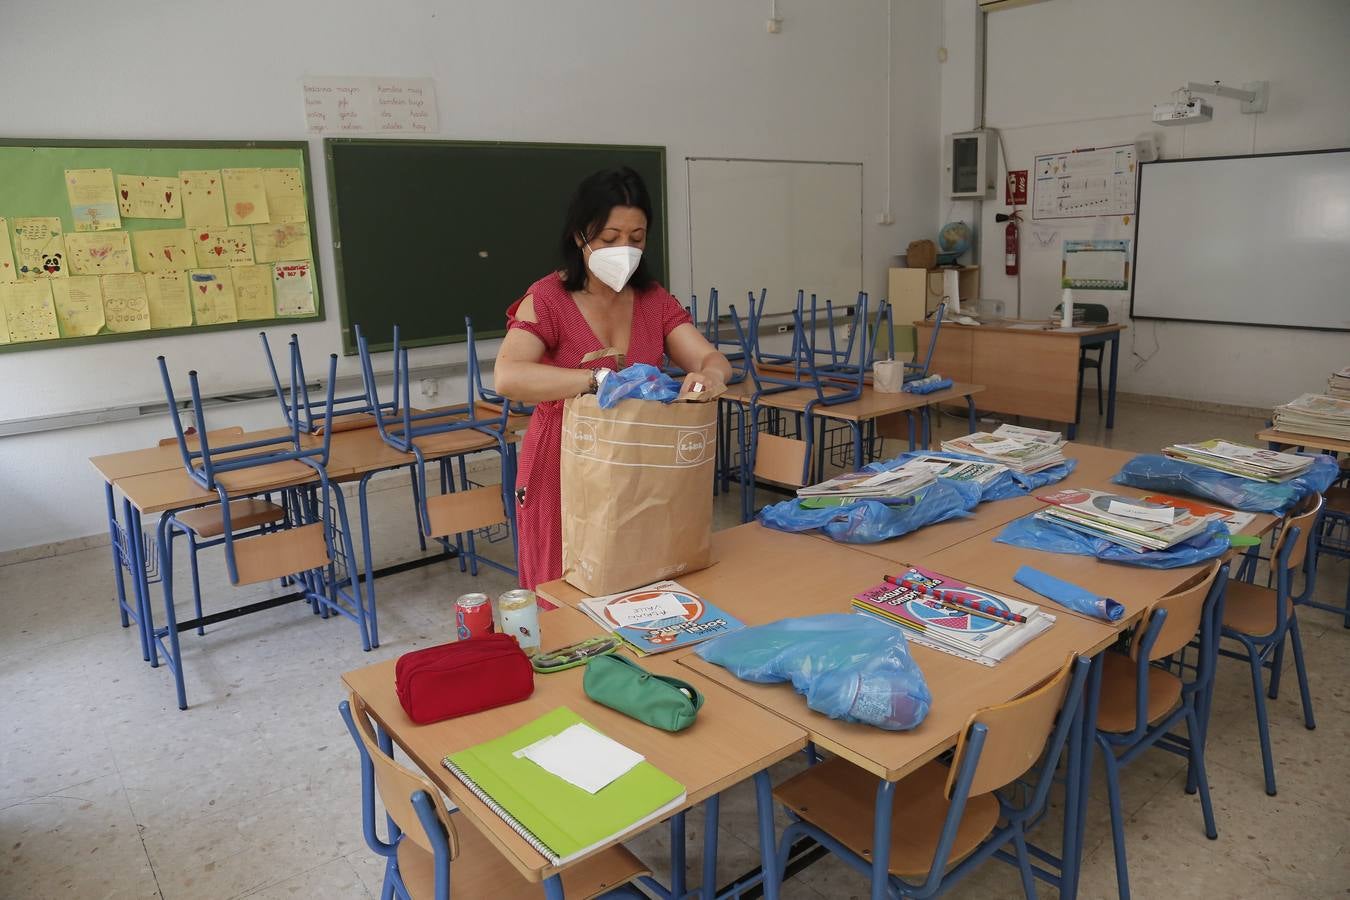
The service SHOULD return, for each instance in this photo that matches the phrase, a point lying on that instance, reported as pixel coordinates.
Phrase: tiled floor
(108, 790)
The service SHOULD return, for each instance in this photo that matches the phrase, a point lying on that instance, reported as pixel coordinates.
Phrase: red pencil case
(462, 677)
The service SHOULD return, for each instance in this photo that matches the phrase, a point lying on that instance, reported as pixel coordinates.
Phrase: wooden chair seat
(207, 522)
(1118, 705)
(838, 797)
(464, 511)
(266, 477)
(468, 440)
(287, 552)
(482, 871)
(1250, 608)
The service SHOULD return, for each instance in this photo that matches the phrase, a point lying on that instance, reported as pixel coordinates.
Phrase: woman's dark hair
(589, 210)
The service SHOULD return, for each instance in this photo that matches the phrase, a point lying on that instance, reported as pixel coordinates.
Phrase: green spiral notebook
(561, 821)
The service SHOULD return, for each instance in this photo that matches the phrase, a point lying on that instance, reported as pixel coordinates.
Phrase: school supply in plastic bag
(869, 521)
(1038, 534)
(848, 667)
(927, 385)
(639, 381)
(1001, 486)
(1069, 595)
(1154, 472)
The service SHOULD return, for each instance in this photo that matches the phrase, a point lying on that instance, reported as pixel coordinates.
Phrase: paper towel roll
(1066, 308)
(888, 376)
(951, 289)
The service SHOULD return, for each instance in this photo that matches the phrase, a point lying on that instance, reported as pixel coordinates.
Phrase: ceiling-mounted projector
(1188, 112)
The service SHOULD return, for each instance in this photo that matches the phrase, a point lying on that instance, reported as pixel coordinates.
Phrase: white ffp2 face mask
(614, 265)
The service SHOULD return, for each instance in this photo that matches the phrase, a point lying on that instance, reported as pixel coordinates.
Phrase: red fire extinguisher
(1010, 241)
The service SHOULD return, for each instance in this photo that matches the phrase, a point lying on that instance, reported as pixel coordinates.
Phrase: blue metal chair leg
(175, 660)
(678, 859)
(881, 840)
(1117, 818)
(1302, 670)
(553, 888)
(115, 543)
(1024, 865)
(196, 578)
(1197, 772)
(767, 855)
(711, 809)
(1277, 667)
(363, 508)
(1262, 722)
(140, 585)
(417, 505)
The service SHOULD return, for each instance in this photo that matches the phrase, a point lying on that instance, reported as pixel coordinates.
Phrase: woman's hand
(702, 386)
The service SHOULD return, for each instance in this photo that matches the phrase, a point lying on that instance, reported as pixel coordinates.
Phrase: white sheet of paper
(582, 756)
(1164, 514)
(662, 606)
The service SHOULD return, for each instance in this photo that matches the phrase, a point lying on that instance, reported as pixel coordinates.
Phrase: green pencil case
(656, 700)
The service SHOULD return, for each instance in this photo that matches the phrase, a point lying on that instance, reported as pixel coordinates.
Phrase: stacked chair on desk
(315, 535)
(787, 460)
(458, 512)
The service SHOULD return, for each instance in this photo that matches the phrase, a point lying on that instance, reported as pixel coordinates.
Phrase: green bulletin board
(33, 183)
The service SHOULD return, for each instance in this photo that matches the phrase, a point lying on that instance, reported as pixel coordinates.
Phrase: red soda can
(473, 616)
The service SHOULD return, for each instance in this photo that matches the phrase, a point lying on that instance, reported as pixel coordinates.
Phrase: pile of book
(659, 617)
(893, 486)
(1242, 460)
(1128, 521)
(956, 469)
(1338, 385)
(1017, 453)
(952, 616)
(1036, 435)
(1316, 414)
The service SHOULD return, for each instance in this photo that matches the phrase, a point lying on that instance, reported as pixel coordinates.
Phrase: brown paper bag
(636, 491)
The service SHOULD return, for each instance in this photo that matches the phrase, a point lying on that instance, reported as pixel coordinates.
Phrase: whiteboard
(1253, 240)
(781, 226)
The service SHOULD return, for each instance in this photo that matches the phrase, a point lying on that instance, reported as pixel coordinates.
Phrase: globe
(953, 240)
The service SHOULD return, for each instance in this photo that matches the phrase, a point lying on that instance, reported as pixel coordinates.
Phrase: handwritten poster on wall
(355, 105)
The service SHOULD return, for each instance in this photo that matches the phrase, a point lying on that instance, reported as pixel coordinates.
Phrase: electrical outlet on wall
(430, 387)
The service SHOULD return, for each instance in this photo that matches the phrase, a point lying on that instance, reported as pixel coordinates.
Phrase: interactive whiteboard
(1251, 240)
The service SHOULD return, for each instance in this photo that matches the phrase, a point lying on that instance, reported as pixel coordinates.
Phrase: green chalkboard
(32, 183)
(428, 232)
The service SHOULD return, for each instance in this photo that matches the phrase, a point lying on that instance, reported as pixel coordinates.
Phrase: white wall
(701, 77)
(1081, 73)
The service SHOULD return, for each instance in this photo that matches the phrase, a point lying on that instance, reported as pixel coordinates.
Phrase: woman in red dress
(602, 310)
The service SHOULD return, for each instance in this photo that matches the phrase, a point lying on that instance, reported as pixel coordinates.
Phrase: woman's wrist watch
(596, 377)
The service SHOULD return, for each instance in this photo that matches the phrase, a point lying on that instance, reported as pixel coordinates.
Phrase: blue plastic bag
(1069, 595)
(849, 667)
(1174, 476)
(869, 521)
(637, 382)
(1037, 534)
(1006, 485)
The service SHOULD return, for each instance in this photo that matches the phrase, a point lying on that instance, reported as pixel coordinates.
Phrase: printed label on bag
(584, 439)
(691, 446)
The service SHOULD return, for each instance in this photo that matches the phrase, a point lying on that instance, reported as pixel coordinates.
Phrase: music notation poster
(1094, 181)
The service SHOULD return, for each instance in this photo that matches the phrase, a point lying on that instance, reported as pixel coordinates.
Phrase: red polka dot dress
(567, 338)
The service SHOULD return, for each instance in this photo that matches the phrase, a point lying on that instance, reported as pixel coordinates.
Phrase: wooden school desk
(732, 740)
(1029, 371)
(1277, 438)
(761, 576)
(153, 481)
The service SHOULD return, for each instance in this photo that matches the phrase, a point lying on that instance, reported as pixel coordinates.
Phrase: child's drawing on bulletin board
(1096, 265)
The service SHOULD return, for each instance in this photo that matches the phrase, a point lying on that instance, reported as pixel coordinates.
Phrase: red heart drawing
(124, 194)
(204, 236)
(217, 250)
(219, 286)
(168, 253)
(202, 288)
(243, 208)
(168, 196)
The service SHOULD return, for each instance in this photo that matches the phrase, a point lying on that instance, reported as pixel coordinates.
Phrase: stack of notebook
(1242, 460)
(1128, 521)
(1316, 414)
(894, 485)
(956, 469)
(1017, 453)
(1036, 435)
(1338, 385)
(945, 614)
(564, 787)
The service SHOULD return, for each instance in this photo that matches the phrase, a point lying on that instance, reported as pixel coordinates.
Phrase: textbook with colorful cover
(660, 617)
(957, 469)
(854, 486)
(560, 820)
(1232, 519)
(928, 621)
(1242, 460)
(1121, 519)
